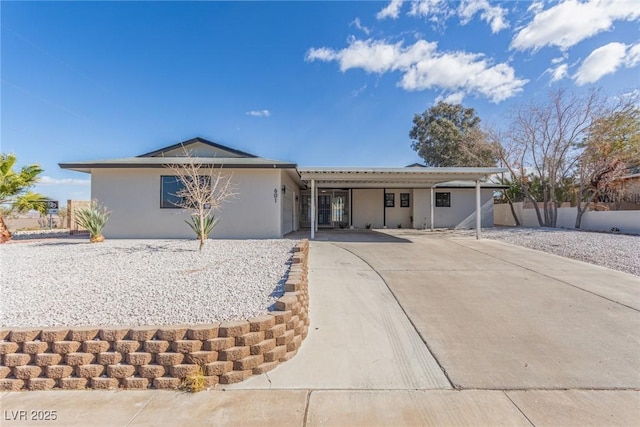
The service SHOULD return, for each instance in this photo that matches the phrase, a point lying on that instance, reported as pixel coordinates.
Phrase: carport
(348, 179)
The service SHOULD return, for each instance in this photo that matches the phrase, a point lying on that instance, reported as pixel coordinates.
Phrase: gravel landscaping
(616, 251)
(71, 282)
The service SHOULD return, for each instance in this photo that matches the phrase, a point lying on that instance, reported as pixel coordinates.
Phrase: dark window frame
(405, 200)
(443, 199)
(165, 196)
(177, 202)
(389, 200)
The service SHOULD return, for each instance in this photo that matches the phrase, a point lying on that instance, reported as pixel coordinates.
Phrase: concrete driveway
(498, 316)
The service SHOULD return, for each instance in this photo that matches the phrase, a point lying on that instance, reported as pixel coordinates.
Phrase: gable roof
(221, 157)
(196, 140)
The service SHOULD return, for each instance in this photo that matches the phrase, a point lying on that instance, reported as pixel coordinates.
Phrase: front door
(324, 210)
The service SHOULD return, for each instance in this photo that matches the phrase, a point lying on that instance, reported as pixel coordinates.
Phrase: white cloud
(493, 15)
(426, 8)
(536, 7)
(47, 180)
(424, 67)
(557, 73)
(559, 59)
(438, 11)
(392, 10)
(258, 113)
(321, 54)
(357, 92)
(568, 23)
(356, 23)
(633, 56)
(606, 60)
(452, 98)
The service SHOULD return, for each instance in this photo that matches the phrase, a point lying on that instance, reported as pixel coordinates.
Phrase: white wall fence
(625, 221)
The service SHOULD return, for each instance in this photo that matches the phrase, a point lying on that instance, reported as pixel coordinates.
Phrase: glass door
(332, 208)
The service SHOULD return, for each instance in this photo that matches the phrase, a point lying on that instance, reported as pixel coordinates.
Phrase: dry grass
(194, 383)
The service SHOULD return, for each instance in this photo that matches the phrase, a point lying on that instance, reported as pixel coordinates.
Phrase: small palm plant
(93, 219)
(202, 225)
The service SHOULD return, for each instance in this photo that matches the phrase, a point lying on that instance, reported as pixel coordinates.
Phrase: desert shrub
(193, 383)
(93, 218)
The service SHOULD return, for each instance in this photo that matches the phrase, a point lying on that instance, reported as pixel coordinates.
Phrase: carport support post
(313, 209)
(478, 209)
(431, 203)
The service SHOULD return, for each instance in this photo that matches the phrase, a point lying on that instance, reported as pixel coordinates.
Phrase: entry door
(287, 212)
(324, 209)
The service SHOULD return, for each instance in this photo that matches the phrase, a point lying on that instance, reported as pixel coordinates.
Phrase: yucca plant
(202, 190)
(202, 225)
(93, 219)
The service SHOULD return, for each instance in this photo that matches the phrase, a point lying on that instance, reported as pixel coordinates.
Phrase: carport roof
(332, 177)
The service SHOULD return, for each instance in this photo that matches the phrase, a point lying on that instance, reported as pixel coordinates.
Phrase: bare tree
(611, 147)
(203, 191)
(542, 146)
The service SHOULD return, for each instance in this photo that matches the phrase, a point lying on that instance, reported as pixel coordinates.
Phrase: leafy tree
(203, 192)
(542, 147)
(14, 189)
(449, 135)
(610, 148)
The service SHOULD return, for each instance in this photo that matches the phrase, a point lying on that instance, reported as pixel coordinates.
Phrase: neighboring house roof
(415, 165)
(204, 152)
(468, 184)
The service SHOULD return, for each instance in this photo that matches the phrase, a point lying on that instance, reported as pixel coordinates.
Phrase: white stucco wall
(420, 208)
(367, 207)
(292, 191)
(133, 197)
(397, 214)
(461, 213)
(625, 221)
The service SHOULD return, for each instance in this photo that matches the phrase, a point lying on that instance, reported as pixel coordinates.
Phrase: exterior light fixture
(275, 195)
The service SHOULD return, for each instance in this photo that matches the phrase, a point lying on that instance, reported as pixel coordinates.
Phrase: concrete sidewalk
(321, 408)
(365, 361)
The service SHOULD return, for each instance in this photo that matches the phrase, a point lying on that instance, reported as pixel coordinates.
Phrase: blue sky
(317, 83)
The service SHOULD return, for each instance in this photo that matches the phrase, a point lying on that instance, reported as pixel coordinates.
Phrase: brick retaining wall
(159, 356)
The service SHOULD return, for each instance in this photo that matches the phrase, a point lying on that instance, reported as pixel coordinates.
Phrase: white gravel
(39, 234)
(70, 282)
(616, 251)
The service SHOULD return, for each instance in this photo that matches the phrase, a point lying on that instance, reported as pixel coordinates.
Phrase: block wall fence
(159, 356)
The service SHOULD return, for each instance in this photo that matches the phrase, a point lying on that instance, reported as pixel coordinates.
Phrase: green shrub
(202, 226)
(93, 219)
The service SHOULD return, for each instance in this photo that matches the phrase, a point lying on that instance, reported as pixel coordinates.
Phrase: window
(389, 200)
(443, 200)
(169, 187)
(404, 200)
